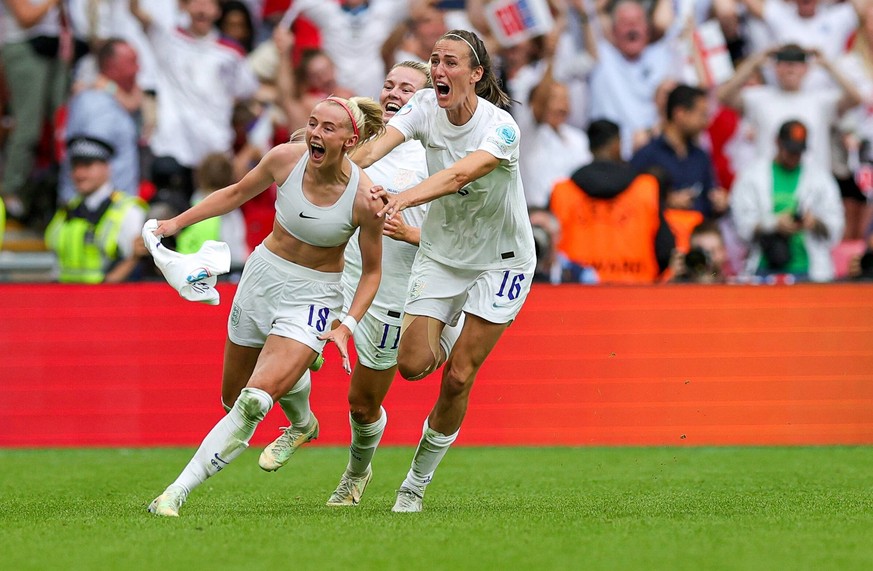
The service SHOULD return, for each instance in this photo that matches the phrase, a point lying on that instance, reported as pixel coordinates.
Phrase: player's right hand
(166, 228)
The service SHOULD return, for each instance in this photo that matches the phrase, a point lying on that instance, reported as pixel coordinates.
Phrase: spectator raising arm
(850, 94)
(144, 18)
(729, 93)
(27, 14)
(755, 7)
(663, 16)
(289, 100)
(539, 95)
(476, 15)
(587, 17)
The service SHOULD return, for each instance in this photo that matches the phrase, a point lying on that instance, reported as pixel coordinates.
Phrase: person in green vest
(94, 235)
(788, 211)
(215, 171)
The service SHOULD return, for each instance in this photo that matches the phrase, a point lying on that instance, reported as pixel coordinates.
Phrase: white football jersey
(485, 225)
(402, 168)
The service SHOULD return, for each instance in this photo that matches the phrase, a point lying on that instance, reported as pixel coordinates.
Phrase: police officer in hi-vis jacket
(94, 234)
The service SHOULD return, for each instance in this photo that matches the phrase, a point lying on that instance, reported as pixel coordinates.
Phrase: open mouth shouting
(391, 108)
(442, 90)
(316, 151)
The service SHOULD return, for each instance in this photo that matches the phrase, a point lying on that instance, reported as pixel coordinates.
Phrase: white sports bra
(322, 226)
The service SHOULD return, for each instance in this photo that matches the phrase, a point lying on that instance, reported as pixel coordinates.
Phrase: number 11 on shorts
(385, 335)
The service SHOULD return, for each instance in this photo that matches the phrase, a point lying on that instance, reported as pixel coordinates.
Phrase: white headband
(468, 43)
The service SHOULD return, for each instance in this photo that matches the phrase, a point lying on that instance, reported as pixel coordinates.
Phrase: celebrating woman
(476, 253)
(290, 291)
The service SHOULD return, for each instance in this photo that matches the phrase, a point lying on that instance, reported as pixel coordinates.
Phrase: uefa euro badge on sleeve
(192, 275)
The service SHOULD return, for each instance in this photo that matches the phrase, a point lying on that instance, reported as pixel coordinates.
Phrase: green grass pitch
(488, 508)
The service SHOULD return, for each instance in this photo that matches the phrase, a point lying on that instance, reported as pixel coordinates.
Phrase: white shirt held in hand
(192, 275)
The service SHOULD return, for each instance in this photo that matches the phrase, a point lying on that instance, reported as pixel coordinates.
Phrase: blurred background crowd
(708, 141)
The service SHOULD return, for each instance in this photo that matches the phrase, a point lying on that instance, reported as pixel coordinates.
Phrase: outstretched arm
(476, 15)
(370, 241)
(443, 183)
(375, 149)
(587, 18)
(230, 197)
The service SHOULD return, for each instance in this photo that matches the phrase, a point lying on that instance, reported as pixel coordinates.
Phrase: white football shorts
(278, 297)
(443, 292)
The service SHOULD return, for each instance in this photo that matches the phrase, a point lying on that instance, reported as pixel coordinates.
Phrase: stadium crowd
(711, 141)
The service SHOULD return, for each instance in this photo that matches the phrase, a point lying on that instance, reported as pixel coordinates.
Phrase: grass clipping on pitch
(488, 508)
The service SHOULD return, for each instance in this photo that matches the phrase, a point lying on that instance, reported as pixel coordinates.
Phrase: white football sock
(295, 403)
(449, 336)
(365, 439)
(431, 449)
(227, 440)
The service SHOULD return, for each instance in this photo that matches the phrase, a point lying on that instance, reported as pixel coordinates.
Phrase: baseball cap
(88, 149)
(791, 52)
(792, 136)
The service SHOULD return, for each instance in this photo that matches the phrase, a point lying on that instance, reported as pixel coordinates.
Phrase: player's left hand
(392, 203)
(396, 228)
(339, 336)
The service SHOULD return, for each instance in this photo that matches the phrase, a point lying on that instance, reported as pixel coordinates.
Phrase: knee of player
(254, 404)
(364, 414)
(363, 409)
(415, 365)
(457, 379)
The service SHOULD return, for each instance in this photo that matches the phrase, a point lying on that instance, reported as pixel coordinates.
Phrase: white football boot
(280, 450)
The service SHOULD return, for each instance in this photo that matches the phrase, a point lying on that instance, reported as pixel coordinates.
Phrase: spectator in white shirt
(106, 110)
(812, 24)
(551, 150)
(36, 79)
(628, 71)
(788, 212)
(352, 34)
(100, 20)
(300, 89)
(769, 106)
(200, 76)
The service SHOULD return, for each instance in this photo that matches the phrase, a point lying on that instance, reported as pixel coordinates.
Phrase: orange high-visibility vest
(682, 222)
(615, 236)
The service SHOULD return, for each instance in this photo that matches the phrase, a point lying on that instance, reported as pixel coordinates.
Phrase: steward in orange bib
(610, 217)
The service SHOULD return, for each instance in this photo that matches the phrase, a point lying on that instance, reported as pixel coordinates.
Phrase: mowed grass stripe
(488, 508)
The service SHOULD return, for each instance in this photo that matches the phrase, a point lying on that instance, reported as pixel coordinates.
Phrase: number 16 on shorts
(507, 290)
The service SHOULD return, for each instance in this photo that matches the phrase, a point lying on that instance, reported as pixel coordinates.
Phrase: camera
(697, 261)
(866, 266)
(543, 249)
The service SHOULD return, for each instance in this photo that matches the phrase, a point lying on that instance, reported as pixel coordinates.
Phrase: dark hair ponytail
(488, 87)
